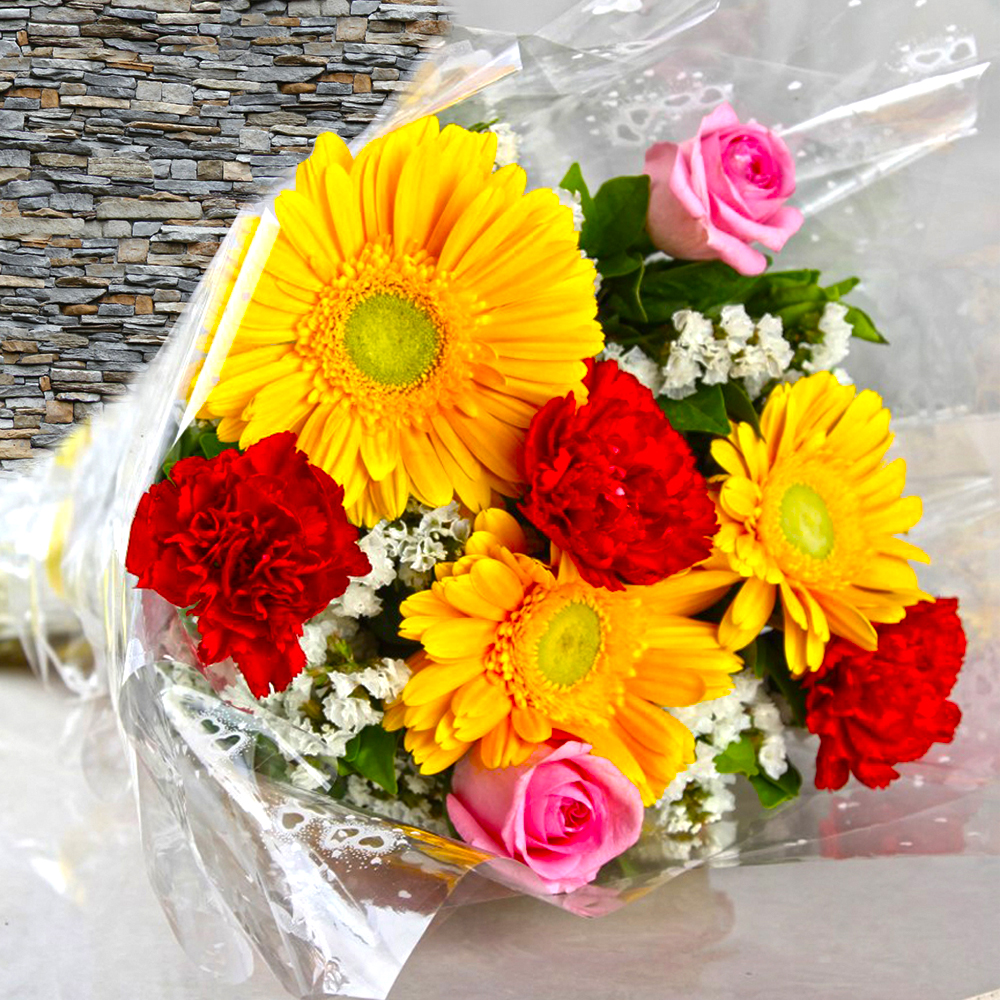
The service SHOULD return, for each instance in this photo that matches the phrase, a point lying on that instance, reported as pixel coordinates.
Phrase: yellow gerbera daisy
(810, 511)
(513, 651)
(415, 311)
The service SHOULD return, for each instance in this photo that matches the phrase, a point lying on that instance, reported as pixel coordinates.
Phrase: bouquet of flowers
(480, 524)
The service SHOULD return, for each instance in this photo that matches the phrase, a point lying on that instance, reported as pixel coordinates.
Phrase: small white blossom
(508, 144)
(637, 363)
(737, 326)
(349, 714)
(385, 681)
(382, 572)
(836, 342)
(313, 643)
(680, 373)
(573, 201)
(772, 756)
(696, 331)
(290, 701)
(359, 601)
(717, 363)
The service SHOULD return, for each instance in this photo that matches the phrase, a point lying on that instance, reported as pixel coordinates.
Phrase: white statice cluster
(361, 599)
(735, 347)
(711, 353)
(701, 795)
(407, 549)
(348, 707)
(416, 547)
(836, 342)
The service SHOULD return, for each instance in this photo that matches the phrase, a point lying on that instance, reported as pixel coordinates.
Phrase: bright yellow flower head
(415, 311)
(811, 512)
(513, 651)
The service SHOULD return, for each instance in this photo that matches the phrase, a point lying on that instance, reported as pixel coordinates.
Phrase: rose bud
(714, 195)
(563, 813)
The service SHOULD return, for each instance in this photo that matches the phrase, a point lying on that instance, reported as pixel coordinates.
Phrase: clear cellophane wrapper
(334, 900)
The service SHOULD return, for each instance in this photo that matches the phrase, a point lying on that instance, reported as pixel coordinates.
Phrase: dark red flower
(872, 710)
(614, 485)
(253, 545)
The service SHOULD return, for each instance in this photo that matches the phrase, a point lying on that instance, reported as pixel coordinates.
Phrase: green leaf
(629, 293)
(863, 327)
(739, 407)
(620, 264)
(185, 446)
(482, 126)
(704, 410)
(211, 446)
(574, 182)
(739, 757)
(841, 288)
(617, 217)
(372, 754)
(771, 663)
(701, 286)
(773, 791)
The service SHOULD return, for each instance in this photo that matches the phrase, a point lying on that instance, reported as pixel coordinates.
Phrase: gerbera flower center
(391, 340)
(809, 520)
(390, 336)
(570, 644)
(553, 653)
(806, 522)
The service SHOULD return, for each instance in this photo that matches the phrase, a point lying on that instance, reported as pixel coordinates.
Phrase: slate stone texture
(130, 134)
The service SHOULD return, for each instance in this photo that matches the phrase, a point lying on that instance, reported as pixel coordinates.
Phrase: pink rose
(715, 194)
(563, 813)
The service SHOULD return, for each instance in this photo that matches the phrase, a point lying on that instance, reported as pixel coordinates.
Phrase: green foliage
(574, 182)
(765, 656)
(798, 299)
(482, 126)
(739, 407)
(616, 222)
(372, 754)
(773, 791)
(770, 663)
(704, 286)
(641, 291)
(704, 410)
(199, 439)
(740, 757)
(863, 327)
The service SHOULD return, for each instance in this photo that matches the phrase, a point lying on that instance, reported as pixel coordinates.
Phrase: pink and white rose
(714, 195)
(564, 813)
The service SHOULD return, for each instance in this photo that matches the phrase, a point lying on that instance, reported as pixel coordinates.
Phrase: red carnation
(873, 710)
(614, 485)
(253, 545)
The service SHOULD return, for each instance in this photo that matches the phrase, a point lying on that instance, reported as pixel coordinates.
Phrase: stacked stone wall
(131, 132)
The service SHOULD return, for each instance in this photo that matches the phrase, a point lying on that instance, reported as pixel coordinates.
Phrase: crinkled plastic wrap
(333, 900)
